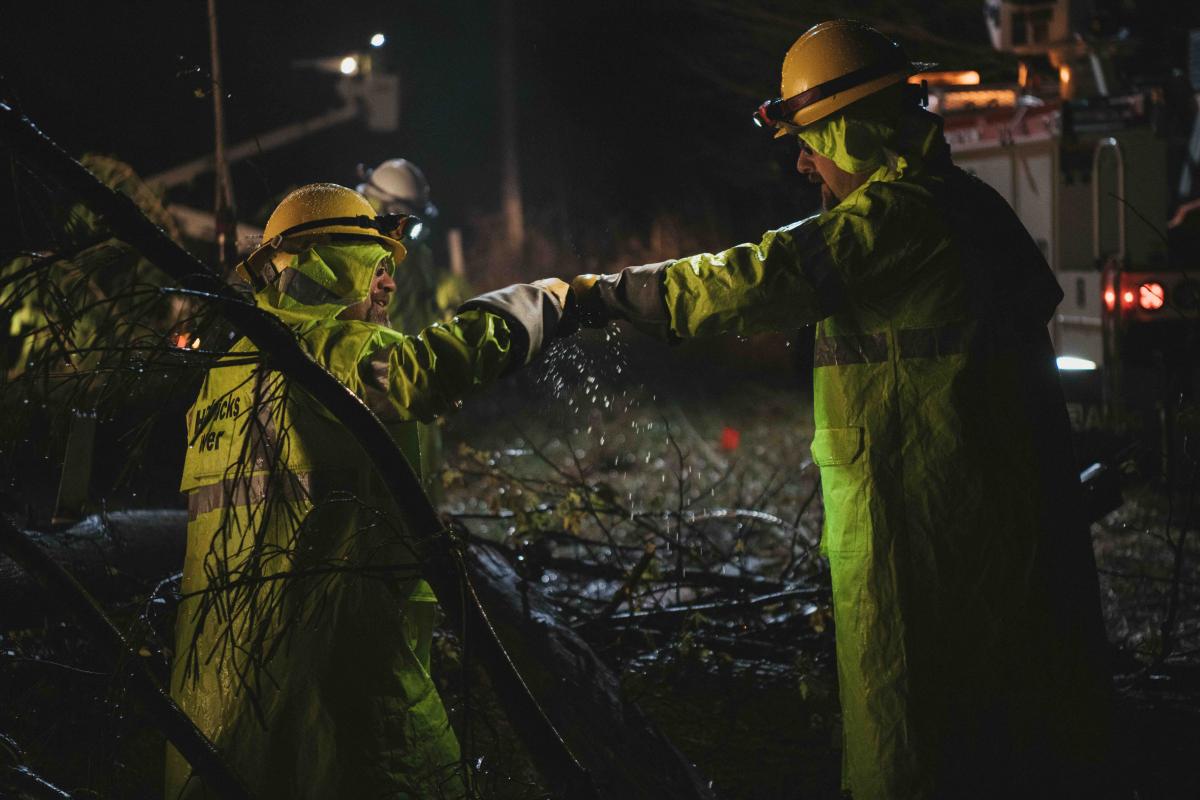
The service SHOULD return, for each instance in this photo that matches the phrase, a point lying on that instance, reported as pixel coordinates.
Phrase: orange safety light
(949, 77)
(730, 439)
(181, 340)
(1110, 298)
(1151, 296)
(973, 99)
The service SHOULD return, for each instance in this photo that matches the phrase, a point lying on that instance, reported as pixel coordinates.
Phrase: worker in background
(303, 637)
(970, 646)
(425, 293)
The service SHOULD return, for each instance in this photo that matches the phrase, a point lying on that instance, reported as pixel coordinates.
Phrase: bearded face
(836, 184)
(374, 307)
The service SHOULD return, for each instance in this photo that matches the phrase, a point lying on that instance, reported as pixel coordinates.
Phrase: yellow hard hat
(324, 209)
(829, 67)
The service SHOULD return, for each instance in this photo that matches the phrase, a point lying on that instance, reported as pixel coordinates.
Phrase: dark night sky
(626, 108)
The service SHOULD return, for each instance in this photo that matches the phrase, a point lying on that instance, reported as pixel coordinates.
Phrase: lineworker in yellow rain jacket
(303, 637)
(969, 639)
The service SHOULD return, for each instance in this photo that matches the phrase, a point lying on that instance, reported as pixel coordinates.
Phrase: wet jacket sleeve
(428, 374)
(405, 378)
(794, 276)
(532, 315)
(788, 279)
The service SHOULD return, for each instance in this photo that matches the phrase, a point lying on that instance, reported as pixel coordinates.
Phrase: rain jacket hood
(323, 280)
(872, 136)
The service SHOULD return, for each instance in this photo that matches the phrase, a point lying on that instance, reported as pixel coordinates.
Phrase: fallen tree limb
(564, 670)
(175, 725)
(687, 577)
(113, 556)
(630, 585)
(676, 614)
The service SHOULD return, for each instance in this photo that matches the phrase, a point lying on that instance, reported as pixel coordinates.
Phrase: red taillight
(1110, 298)
(1151, 296)
(1127, 298)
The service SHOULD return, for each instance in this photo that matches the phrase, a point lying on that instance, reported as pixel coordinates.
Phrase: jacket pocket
(845, 489)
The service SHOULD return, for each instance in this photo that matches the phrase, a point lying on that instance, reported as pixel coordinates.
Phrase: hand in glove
(593, 311)
(568, 323)
(559, 288)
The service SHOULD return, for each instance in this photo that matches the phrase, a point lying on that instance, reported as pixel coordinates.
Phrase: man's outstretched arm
(794, 276)
(418, 377)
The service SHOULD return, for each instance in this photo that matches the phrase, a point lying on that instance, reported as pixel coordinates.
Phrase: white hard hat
(399, 186)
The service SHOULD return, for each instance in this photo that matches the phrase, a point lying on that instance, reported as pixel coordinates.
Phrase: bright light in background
(378, 40)
(980, 98)
(1071, 363)
(1151, 296)
(1064, 74)
(349, 65)
(956, 77)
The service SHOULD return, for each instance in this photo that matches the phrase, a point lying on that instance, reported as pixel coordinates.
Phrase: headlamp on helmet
(323, 211)
(831, 66)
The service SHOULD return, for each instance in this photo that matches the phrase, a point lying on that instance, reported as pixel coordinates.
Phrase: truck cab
(1078, 151)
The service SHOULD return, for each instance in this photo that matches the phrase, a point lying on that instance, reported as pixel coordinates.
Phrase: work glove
(634, 294)
(593, 312)
(568, 322)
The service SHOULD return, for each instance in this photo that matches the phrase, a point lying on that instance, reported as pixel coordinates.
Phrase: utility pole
(510, 176)
(224, 210)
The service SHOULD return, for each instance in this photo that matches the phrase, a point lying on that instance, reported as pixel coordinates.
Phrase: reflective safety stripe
(946, 340)
(249, 490)
(831, 351)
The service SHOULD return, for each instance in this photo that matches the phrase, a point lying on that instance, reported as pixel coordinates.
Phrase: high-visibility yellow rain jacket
(304, 634)
(969, 640)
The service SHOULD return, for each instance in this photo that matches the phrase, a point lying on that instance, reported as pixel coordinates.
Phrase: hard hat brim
(268, 248)
(836, 102)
